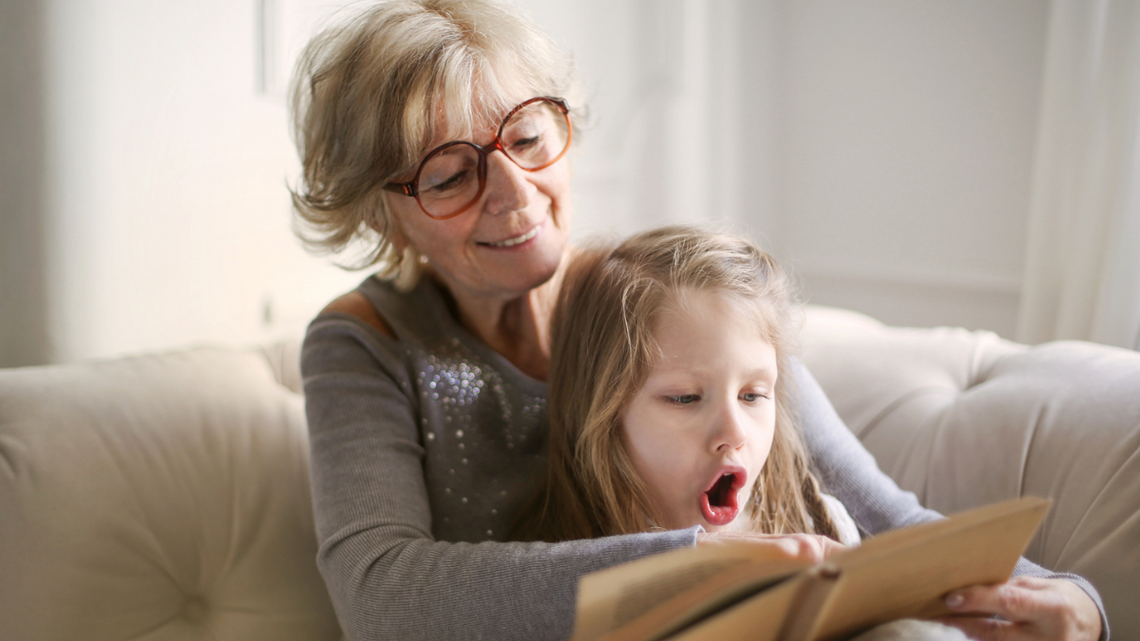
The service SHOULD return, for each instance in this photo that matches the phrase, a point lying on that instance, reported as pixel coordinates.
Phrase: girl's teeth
(511, 242)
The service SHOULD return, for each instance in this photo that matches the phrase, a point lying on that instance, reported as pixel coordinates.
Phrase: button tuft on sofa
(153, 494)
(194, 610)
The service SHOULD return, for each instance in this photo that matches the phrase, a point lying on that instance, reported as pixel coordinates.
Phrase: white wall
(907, 135)
(883, 147)
(166, 216)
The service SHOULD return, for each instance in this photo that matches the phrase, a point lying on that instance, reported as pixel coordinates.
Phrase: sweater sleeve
(387, 576)
(847, 470)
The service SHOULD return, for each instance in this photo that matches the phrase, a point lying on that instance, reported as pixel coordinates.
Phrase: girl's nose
(730, 432)
(508, 187)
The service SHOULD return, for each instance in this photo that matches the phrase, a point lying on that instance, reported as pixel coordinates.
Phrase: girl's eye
(753, 397)
(683, 399)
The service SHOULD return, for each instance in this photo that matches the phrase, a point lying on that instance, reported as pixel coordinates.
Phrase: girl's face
(700, 428)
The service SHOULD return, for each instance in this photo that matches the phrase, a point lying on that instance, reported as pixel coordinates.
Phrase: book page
(663, 592)
(738, 591)
(643, 596)
(902, 573)
(905, 573)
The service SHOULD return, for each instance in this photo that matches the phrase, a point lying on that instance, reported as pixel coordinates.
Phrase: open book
(738, 591)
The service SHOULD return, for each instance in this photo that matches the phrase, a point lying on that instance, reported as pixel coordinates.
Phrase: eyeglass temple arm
(406, 189)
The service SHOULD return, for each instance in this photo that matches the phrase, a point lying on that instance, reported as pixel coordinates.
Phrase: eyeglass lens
(534, 137)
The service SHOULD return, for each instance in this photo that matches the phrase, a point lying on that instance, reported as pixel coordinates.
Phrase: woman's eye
(683, 399)
(450, 183)
(752, 397)
(523, 144)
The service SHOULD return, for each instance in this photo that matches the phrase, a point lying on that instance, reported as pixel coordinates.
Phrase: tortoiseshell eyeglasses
(534, 135)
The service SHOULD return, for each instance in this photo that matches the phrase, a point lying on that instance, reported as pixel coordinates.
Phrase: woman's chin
(532, 273)
(531, 267)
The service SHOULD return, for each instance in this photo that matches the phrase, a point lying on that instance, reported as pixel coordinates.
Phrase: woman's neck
(516, 327)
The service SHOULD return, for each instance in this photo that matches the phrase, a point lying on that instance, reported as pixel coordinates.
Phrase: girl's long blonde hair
(602, 350)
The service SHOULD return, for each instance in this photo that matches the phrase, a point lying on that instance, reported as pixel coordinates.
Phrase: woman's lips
(516, 240)
(721, 507)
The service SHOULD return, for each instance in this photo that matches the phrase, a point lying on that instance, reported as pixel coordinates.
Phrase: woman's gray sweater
(424, 448)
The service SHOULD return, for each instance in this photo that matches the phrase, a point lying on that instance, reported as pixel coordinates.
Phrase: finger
(812, 548)
(831, 546)
(800, 547)
(793, 547)
(1005, 600)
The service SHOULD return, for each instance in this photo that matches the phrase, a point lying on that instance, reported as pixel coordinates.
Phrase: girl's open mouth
(719, 500)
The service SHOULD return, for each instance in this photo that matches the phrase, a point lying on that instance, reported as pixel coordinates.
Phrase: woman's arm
(874, 500)
(846, 469)
(388, 577)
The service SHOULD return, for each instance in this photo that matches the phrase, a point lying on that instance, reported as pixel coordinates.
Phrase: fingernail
(955, 601)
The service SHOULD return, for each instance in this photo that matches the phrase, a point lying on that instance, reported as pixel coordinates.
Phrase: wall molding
(997, 279)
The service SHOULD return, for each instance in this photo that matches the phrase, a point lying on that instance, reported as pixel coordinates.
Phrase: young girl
(667, 404)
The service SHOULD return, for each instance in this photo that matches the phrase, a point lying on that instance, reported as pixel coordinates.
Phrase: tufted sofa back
(965, 418)
(159, 497)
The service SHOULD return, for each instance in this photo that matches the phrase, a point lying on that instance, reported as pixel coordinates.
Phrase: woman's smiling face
(699, 429)
(508, 242)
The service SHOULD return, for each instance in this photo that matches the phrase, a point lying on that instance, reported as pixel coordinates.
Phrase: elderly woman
(435, 134)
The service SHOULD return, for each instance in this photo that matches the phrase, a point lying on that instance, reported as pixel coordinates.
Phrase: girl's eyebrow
(669, 372)
(764, 371)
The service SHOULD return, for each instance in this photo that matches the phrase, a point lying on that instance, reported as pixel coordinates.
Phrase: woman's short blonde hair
(372, 91)
(601, 353)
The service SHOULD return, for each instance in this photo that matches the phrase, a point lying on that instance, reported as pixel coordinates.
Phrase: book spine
(806, 617)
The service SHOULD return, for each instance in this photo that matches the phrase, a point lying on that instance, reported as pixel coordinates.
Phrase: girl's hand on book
(1029, 607)
(811, 548)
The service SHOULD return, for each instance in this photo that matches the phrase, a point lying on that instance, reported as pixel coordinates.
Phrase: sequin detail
(473, 422)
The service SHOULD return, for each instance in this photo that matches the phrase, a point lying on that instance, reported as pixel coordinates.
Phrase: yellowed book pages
(650, 597)
(906, 573)
(734, 592)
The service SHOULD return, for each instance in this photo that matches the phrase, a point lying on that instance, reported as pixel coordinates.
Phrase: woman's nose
(730, 433)
(508, 188)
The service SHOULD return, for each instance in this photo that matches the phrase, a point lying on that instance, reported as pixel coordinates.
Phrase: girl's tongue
(718, 503)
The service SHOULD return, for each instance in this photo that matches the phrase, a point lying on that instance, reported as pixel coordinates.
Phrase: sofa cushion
(965, 418)
(162, 496)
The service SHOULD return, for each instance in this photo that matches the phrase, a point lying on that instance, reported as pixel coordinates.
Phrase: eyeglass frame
(410, 189)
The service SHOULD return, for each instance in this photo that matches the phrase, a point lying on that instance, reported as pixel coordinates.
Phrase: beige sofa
(165, 496)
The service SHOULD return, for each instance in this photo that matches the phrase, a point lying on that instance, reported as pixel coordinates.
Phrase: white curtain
(1082, 272)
